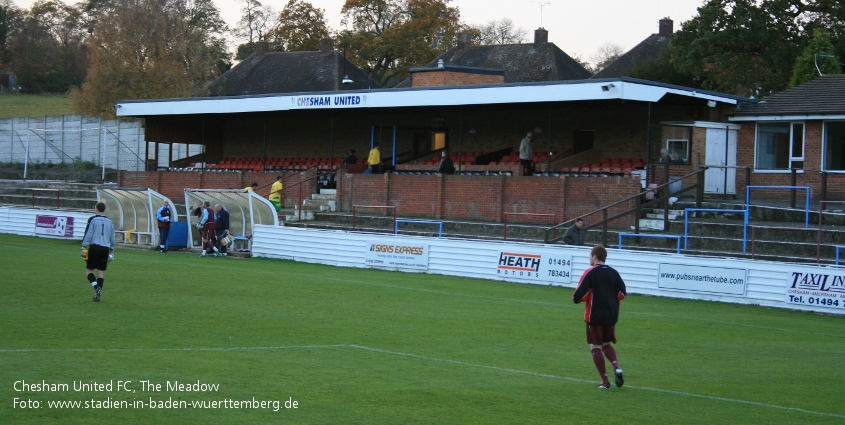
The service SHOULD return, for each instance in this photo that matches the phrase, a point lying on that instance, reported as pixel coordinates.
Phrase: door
(720, 152)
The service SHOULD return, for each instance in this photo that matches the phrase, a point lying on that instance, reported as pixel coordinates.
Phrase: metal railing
(553, 216)
(819, 235)
(639, 235)
(438, 223)
(58, 195)
(386, 207)
(661, 199)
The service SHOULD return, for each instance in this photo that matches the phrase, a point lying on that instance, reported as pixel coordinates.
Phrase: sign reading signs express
(536, 265)
(48, 225)
(816, 287)
(390, 254)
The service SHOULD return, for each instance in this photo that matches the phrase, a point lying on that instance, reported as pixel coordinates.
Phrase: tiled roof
(824, 95)
(290, 72)
(648, 49)
(522, 62)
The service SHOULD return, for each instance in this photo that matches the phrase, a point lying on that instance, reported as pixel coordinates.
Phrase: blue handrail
(744, 225)
(640, 235)
(806, 207)
(440, 223)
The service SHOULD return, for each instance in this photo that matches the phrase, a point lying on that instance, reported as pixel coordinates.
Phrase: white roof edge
(485, 95)
(703, 124)
(788, 118)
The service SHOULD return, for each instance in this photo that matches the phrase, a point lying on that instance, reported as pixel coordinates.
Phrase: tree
(146, 49)
(605, 55)
(254, 24)
(389, 36)
(817, 57)
(502, 31)
(10, 22)
(47, 48)
(661, 69)
(746, 47)
(300, 27)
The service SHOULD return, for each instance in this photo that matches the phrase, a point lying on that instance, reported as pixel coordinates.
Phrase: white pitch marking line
(421, 357)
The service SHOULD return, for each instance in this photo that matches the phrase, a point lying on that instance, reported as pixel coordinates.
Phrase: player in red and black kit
(602, 289)
(206, 227)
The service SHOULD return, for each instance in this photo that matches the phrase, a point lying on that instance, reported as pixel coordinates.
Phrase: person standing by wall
(575, 234)
(98, 248)
(603, 290)
(163, 218)
(374, 159)
(221, 223)
(206, 227)
(252, 187)
(276, 193)
(446, 164)
(664, 157)
(526, 153)
(351, 159)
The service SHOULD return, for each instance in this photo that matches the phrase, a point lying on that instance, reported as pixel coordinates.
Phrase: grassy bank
(28, 105)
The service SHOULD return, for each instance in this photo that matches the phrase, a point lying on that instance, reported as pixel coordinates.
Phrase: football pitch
(182, 339)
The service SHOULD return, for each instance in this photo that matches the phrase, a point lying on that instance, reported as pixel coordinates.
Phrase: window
(780, 146)
(678, 150)
(834, 146)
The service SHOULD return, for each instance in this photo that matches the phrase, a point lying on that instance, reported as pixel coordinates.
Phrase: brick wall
(173, 184)
(449, 78)
(487, 198)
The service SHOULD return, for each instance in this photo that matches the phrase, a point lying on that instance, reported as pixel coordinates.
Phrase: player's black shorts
(598, 335)
(98, 257)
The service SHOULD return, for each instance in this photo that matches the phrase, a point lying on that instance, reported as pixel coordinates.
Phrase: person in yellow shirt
(252, 187)
(276, 193)
(374, 159)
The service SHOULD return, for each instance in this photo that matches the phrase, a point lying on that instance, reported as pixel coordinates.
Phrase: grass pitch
(369, 346)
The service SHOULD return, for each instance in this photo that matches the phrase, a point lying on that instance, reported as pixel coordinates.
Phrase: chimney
(262, 46)
(541, 36)
(326, 45)
(464, 39)
(666, 27)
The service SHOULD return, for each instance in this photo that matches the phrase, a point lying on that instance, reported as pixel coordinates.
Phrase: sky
(576, 27)
(579, 28)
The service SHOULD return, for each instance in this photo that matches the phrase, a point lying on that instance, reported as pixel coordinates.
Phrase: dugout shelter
(133, 212)
(245, 207)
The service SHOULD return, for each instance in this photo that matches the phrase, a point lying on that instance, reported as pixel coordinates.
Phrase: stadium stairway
(44, 194)
(324, 201)
(779, 231)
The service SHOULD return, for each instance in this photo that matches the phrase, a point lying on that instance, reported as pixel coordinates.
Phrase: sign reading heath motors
(388, 253)
(328, 101)
(817, 287)
(547, 266)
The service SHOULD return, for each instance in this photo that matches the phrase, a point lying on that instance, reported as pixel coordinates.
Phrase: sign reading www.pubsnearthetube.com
(716, 280)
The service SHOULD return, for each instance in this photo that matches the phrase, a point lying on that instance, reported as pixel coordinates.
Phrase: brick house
(647, 50)
(265, 72)
(796, 137)
(498, 63)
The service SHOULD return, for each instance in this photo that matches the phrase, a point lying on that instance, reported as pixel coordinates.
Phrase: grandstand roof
(557, 91)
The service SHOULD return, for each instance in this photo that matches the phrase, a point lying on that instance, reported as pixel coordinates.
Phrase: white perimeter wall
(21, 221)
(764, 282)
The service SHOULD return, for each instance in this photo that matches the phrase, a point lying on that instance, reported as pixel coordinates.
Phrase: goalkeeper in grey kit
(98, 247)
